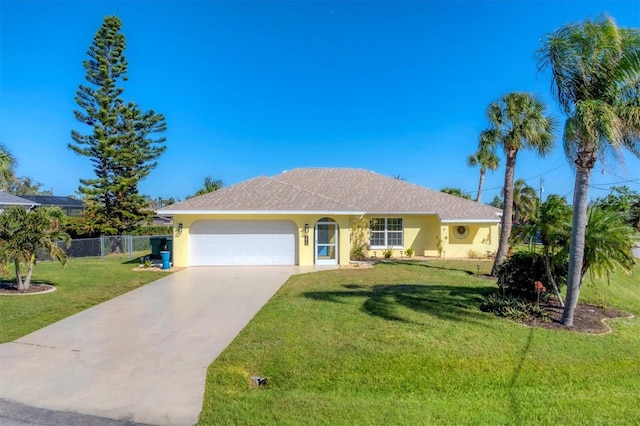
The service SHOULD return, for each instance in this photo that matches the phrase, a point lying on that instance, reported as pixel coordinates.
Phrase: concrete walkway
(141, 357)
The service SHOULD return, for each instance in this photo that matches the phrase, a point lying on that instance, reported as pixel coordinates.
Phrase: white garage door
(242, 242)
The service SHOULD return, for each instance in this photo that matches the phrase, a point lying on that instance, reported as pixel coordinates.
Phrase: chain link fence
(112, 244)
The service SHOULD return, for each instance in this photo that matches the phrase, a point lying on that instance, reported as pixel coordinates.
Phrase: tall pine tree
(121, 147)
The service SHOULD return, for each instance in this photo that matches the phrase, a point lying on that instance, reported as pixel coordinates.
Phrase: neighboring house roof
(337, 191)
(162, 220)
(53, 200)
(7, 199)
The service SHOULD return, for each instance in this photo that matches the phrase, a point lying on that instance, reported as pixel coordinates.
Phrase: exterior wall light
(306, 228)
(180, 228)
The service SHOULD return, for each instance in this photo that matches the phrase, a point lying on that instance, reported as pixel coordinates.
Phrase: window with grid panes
(385, 232)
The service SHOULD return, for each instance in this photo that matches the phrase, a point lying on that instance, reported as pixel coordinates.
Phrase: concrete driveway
(143, 356)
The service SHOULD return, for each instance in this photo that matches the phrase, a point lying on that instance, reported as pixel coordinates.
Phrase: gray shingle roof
(13, 200)
(332, 190)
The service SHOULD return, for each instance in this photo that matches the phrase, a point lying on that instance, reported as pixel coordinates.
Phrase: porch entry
(326, 242)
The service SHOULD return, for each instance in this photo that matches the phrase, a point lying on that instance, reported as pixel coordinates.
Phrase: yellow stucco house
(312, 216)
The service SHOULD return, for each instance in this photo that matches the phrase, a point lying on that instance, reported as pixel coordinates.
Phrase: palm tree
(554, 225)
(484, 157)
(517, 121)
(525, 201)
(24, 232)
(595, 72)
(608, 243)
(210, 185)
(525, 213)
(458, 192)
(497, 202)
(7, 165)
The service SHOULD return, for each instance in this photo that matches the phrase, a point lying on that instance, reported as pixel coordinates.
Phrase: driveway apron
(142, 356)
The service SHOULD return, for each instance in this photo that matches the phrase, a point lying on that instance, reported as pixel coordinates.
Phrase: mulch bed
(11, 289)
(587, 318)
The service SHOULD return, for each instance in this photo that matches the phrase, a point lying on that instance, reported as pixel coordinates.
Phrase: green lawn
(83, 283)
(407, 344)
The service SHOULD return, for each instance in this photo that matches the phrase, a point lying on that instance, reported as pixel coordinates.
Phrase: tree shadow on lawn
(136, 260)
(515, 400)
(383, 300)
(423, 264)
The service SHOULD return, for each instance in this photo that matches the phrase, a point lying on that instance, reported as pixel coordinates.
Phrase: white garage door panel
(239, 242)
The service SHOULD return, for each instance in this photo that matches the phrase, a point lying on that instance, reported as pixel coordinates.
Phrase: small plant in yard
(409, 252)
(440, 244)
(387, 253)
(540, 288)
(598, 297)
(359, 252)
(515, 308)
(23, 232)
(147, 263)
(473, 254)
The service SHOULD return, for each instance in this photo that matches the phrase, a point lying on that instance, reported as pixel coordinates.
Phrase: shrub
(79, 227)
(518, 274)
(440, 244)
(387, 253)
(472, 254)
(409, 252)
(359, 238)
(358, 252)
(515, 308)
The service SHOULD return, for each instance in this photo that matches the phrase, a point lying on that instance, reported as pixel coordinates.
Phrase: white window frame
(386, 233)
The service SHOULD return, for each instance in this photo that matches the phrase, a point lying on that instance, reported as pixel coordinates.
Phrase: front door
(326, 242)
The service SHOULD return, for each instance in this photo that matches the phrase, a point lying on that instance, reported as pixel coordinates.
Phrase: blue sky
(255, 88)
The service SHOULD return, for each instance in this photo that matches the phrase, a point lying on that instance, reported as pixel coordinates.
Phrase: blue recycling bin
(166, 264)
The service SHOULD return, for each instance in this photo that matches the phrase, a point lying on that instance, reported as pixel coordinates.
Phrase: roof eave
(462, 220)
(171, 212)
(259, 212)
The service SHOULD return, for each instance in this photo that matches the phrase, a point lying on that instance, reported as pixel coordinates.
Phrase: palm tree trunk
(16, 264)
(27, 279)
(481, 183)
(547, 268)
(507, 212)
(576, 249)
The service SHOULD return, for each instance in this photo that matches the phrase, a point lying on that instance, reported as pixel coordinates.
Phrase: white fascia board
(259, 212)
(469, 220)
(31, 204)
(434, 214)
(400, 213)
